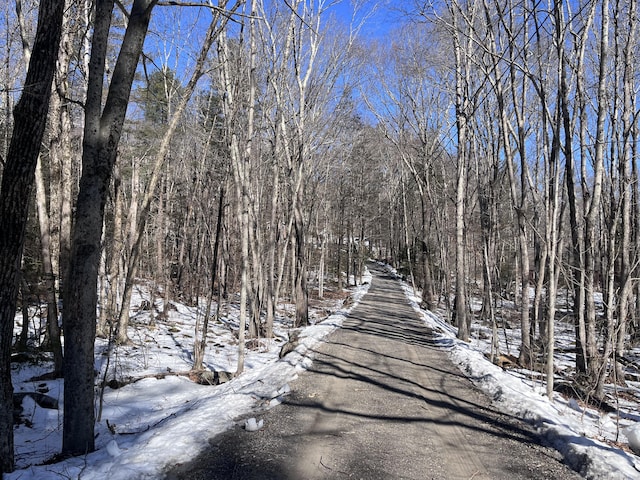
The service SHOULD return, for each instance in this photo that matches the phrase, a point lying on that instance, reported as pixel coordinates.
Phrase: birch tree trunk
(240, 151)
(462, 109)
(553, 187)
(569, 120)
(629, 140)
(596, 366)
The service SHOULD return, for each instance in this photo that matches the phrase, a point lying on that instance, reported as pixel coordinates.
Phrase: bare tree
(597, 367)
(103, 127)
(570, 117)
(462, 42)
(407, 95)
(628, 258)
(216, 25)
(17, 181)
(240, 150)
(53, 329)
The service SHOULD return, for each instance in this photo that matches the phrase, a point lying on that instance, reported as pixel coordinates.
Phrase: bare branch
(228, 13)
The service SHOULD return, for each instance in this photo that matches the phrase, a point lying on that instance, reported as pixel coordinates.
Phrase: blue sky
(381, 16)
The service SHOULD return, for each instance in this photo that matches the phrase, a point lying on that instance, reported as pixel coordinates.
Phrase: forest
(261, 151)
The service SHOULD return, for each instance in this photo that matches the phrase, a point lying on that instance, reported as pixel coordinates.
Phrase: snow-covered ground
(163, 418)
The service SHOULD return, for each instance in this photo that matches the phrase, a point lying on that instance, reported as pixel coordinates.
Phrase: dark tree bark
(101, 137)
(52, 338)
(301, 291)
(18, 177)
(200, 346)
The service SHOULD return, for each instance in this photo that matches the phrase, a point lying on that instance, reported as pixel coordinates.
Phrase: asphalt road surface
(381, 401)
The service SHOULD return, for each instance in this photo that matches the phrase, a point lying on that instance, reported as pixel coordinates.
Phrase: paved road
(380, 402)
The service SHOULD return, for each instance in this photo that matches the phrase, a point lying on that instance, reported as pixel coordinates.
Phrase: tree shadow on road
(484, 416)
(387, 354)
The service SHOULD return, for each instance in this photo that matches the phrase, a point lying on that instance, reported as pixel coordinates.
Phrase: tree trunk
(553, 245)
(24, 306)
(200, 346)
(323, 248)
(429, 297)
(240, 162)
(461, 104)
(30, 116)
(577, 235)
(113, 260)
(273, 246)
(49, 279)
(62, 157)
(62, 150)
(48, 276)
(257, 277)
(630, 138)
(301, 292)
(101, 137)
(596, 363)
(461, 296)
(407, 243)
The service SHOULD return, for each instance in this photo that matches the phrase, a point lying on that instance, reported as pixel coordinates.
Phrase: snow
(153, 423)
(253, 425)
(166, 419)
(633, 435)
